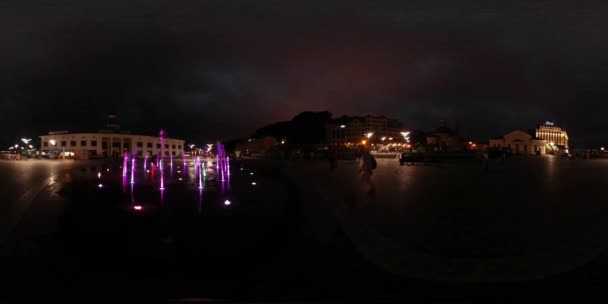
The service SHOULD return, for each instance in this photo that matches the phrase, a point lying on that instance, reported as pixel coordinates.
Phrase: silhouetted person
(368, 164)
(332, 156)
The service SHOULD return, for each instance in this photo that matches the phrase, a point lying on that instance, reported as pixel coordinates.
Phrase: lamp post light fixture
(53, 142)
(406, 136)
(26, 140)
(342, 126)
(370, 134)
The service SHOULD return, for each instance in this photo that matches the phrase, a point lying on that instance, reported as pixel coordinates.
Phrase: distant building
(347, 129)
(445, 138)
(520, 142)
(555, 136)
(108, 143)
(256, 145)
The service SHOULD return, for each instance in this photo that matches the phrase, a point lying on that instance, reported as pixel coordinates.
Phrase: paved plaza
(529, 218)
(523, 219)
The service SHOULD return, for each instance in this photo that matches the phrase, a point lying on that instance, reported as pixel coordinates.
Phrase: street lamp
(342, 126)
(26, 140)
(16, 146)
(53, 142)
(383, 138)
(369, 135)
(406, 136)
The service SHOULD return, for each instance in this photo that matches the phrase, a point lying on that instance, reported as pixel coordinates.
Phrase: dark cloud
(210, 69)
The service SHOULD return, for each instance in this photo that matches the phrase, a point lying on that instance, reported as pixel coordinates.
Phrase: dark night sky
(210, 69)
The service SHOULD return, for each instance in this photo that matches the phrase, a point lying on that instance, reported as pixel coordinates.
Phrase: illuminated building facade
(111, 142)
(554, 135)
(104, 144)
(520, 142)
(354, 129)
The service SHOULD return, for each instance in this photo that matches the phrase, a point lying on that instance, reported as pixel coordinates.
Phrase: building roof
(443, 129)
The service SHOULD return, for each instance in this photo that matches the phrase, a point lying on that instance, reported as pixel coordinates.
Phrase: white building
(108, 144)
(520, 142)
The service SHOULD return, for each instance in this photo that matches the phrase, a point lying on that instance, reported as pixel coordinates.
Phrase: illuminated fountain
(124, 164)
(133, 170)
(146, 163)
(162, 176)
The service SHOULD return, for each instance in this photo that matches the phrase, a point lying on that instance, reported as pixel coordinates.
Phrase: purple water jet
(133, 170)
(162, 176)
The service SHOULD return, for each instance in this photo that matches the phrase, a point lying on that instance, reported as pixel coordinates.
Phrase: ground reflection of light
(108, 170)
(148, 171)
(180, 178)
(241, 169)
(253, 183)
(138, 207)
(227, 203)
(251, 173)
(98, 174)
(179, 171)
(100, 186)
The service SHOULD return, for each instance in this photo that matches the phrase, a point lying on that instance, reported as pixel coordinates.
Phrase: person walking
(485, 159)
(332, 156)
(368, 164)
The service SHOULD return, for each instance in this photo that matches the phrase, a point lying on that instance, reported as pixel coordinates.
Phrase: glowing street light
(383, 138)
(31, 147)
(342, 126)
(282, 142)
(406, 136)
(369, 135)
(191, 146)
(16, 146)
(52, 142)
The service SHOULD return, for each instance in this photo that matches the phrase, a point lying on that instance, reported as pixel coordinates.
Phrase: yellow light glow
(363, 142)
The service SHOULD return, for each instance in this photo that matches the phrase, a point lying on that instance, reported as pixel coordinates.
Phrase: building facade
(520, 142)
(354, 129)
(554, 135)
(445, 138)
(108, 144)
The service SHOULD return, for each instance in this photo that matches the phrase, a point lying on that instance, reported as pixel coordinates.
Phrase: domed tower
(112, 123)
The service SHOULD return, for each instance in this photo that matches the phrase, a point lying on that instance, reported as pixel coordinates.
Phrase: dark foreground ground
(531, 228)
